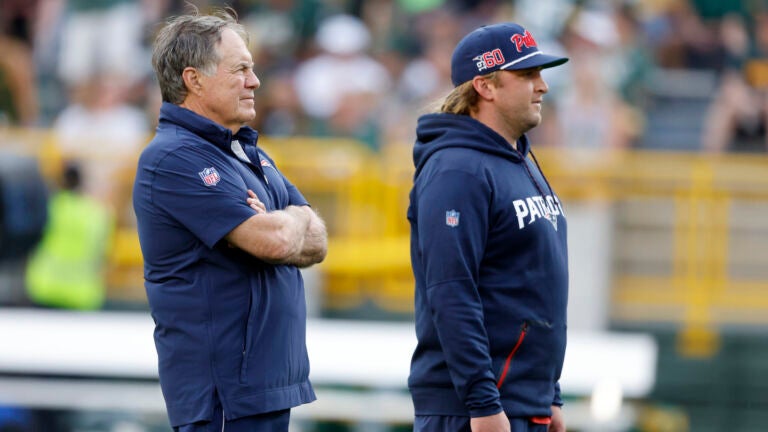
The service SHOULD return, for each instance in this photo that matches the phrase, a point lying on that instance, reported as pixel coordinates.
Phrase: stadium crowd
(365, 69)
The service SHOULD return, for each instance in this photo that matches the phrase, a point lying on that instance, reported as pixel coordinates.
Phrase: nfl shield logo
(210, 176)
(452, 218)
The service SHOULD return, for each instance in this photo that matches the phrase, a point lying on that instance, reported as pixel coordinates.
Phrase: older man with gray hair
(224, 235)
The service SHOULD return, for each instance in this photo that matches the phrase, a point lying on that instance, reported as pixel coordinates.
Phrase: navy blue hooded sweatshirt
(489, 256)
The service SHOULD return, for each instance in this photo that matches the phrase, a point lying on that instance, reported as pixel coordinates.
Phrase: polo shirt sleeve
(202, 192)
(294, 196)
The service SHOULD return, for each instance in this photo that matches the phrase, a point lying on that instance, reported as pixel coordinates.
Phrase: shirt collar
(207, 128)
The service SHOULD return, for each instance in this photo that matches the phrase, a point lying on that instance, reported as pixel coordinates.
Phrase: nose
(541, 85)
(252, 81)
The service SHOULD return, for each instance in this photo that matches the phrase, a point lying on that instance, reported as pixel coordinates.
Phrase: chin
(248, 117)
(535, 121)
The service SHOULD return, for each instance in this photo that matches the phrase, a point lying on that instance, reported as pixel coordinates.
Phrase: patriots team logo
(452, 218)
(265, 163)
(523, 40)
(210, 176)
(533, 208)
(552, 218)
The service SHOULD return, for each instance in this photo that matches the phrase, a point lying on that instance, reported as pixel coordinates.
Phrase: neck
(198, 108)
(492, 122)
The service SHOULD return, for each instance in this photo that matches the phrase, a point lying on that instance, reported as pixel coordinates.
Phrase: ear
(483, 87)
(192, 79)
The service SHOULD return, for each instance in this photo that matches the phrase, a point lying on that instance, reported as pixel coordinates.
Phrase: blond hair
(463, 99)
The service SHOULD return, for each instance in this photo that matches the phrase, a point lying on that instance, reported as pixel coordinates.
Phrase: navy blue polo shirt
(225, 321)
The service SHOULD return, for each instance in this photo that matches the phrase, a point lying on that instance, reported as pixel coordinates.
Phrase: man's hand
(313, 245)
(492, 423)
(558, 422)
(255, 203)
(276, 237)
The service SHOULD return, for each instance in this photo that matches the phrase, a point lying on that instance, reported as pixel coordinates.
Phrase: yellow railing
(691, 230)
(711, 218)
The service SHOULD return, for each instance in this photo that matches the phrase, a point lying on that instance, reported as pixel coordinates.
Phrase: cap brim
(543, 61)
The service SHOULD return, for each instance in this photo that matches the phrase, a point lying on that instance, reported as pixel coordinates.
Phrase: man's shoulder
(178, 142)
(174, 135)
(459, 158)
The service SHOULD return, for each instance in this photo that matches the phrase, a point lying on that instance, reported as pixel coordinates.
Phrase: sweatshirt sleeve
(453, 227)
(558, 400)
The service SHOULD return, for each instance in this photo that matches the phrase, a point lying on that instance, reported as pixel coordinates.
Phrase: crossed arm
(295, 235)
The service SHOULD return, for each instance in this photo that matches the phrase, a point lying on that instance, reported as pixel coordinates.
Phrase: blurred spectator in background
(738, 115)
(756, 67)
(23, 216)
(102, 36)
(102, 63)
(18, 92)
(341, 88)
(67, 269)
(633, 61)
(684, 40)
(17, 19)
(361, 69)
(281, 29)
(425, 77)
(279, 113)
(104, 131)
(282, 32)
(590, 111)
(46, 45)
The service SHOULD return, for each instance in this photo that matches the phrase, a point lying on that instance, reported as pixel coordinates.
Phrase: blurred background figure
(23, 215)
(425, 74)
(102, 36)
(342, 87)
(68, 267)
(590, 110)
(737, 119)
(102, 65)
(18, 93)
(103, 130)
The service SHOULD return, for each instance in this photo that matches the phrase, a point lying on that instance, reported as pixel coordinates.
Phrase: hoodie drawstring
(533, 178)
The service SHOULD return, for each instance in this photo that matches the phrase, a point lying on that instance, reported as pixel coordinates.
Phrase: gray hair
(190, 41)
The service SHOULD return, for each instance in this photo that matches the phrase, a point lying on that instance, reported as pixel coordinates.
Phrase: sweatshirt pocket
(508, 361)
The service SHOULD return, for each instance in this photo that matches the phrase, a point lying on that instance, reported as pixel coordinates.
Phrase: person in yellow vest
(67, 268)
